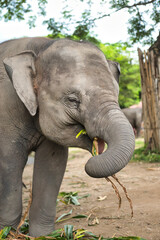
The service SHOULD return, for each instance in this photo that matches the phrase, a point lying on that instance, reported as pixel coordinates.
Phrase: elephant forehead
(77, 64)
(70, 52)
(74, 64)
(81, 53)
(81, 79)
(65, 45)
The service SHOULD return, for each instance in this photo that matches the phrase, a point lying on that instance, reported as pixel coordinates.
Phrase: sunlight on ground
(139, 143)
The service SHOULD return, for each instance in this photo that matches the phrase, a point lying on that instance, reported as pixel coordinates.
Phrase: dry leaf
(154, 169)
(100, 198)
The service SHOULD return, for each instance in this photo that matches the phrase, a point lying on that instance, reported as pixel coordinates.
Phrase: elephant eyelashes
(73, 102)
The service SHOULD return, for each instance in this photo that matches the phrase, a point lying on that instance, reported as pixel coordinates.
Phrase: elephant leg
(49, 168)
(138, 131)
(138, 128)
(12, 161)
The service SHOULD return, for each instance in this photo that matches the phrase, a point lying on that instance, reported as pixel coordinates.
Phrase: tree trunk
(150, 82)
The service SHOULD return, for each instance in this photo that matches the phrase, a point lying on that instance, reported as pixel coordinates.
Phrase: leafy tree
(16, 9)
(144, 21)
(145, 16)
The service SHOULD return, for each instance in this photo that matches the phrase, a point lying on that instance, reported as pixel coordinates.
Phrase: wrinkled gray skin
(134, 116)
(55, 89)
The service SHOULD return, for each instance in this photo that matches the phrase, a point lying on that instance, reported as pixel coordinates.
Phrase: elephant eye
(73, 101)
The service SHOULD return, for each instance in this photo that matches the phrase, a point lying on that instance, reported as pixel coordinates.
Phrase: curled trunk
(117, 132)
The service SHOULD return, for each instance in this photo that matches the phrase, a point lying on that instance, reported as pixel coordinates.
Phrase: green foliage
(4, 232)
(68, 233)
(68, 198)
(11, 10)
(68, 25)
(68, 229)
(61, 218)
(145, 18)
(25, 227)
(138, 31)
(142, 153)
(130, 85)
(145, 155)
(139, 28)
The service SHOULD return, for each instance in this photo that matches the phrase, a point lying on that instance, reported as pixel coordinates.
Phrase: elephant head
(70, 86)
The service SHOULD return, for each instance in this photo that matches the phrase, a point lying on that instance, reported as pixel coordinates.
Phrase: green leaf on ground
(68, 234)
(80, 216)
(25, 227)
(68, 230)
(63, 215)
(4, 232)
(61, 218)
(69, 198)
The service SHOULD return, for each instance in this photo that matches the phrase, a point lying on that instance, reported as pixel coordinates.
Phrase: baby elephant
(50, 90)
(134, 116)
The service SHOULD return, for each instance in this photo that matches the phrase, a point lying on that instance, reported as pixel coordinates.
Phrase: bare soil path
(143, 186)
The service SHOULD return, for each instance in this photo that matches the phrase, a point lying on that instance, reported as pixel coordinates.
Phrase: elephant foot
(36, 230)
(9, 221)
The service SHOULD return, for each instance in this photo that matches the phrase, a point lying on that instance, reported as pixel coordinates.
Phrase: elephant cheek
(47, 124)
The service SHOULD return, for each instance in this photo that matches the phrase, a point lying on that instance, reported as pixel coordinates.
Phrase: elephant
(49, 91)
(134, 116)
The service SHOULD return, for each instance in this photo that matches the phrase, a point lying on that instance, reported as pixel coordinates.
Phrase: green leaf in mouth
(83, 131)
(95, 147)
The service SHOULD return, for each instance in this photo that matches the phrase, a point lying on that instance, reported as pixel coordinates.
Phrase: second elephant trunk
(117, 132)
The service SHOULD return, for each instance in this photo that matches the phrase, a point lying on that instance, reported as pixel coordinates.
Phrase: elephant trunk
(117, 132)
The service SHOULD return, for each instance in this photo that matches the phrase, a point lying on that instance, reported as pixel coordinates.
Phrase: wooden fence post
(150, 83)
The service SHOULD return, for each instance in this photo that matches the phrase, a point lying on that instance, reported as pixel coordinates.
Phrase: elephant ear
(115, 69)
(21, 70)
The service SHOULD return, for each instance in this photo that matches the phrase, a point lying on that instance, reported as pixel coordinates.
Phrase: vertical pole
(150, 100)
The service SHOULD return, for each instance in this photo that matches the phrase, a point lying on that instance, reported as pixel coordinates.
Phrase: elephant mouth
(98, 146)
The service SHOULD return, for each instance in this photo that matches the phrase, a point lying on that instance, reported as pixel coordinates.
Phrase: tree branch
(123, 7)
(135, 5)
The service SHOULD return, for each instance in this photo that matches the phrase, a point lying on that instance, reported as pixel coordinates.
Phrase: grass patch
(142, 154)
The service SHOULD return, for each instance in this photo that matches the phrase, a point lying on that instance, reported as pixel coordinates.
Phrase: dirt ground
(142, 182)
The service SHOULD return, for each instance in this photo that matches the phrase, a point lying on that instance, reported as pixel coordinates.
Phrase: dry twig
(116, 191)
(125, 191)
